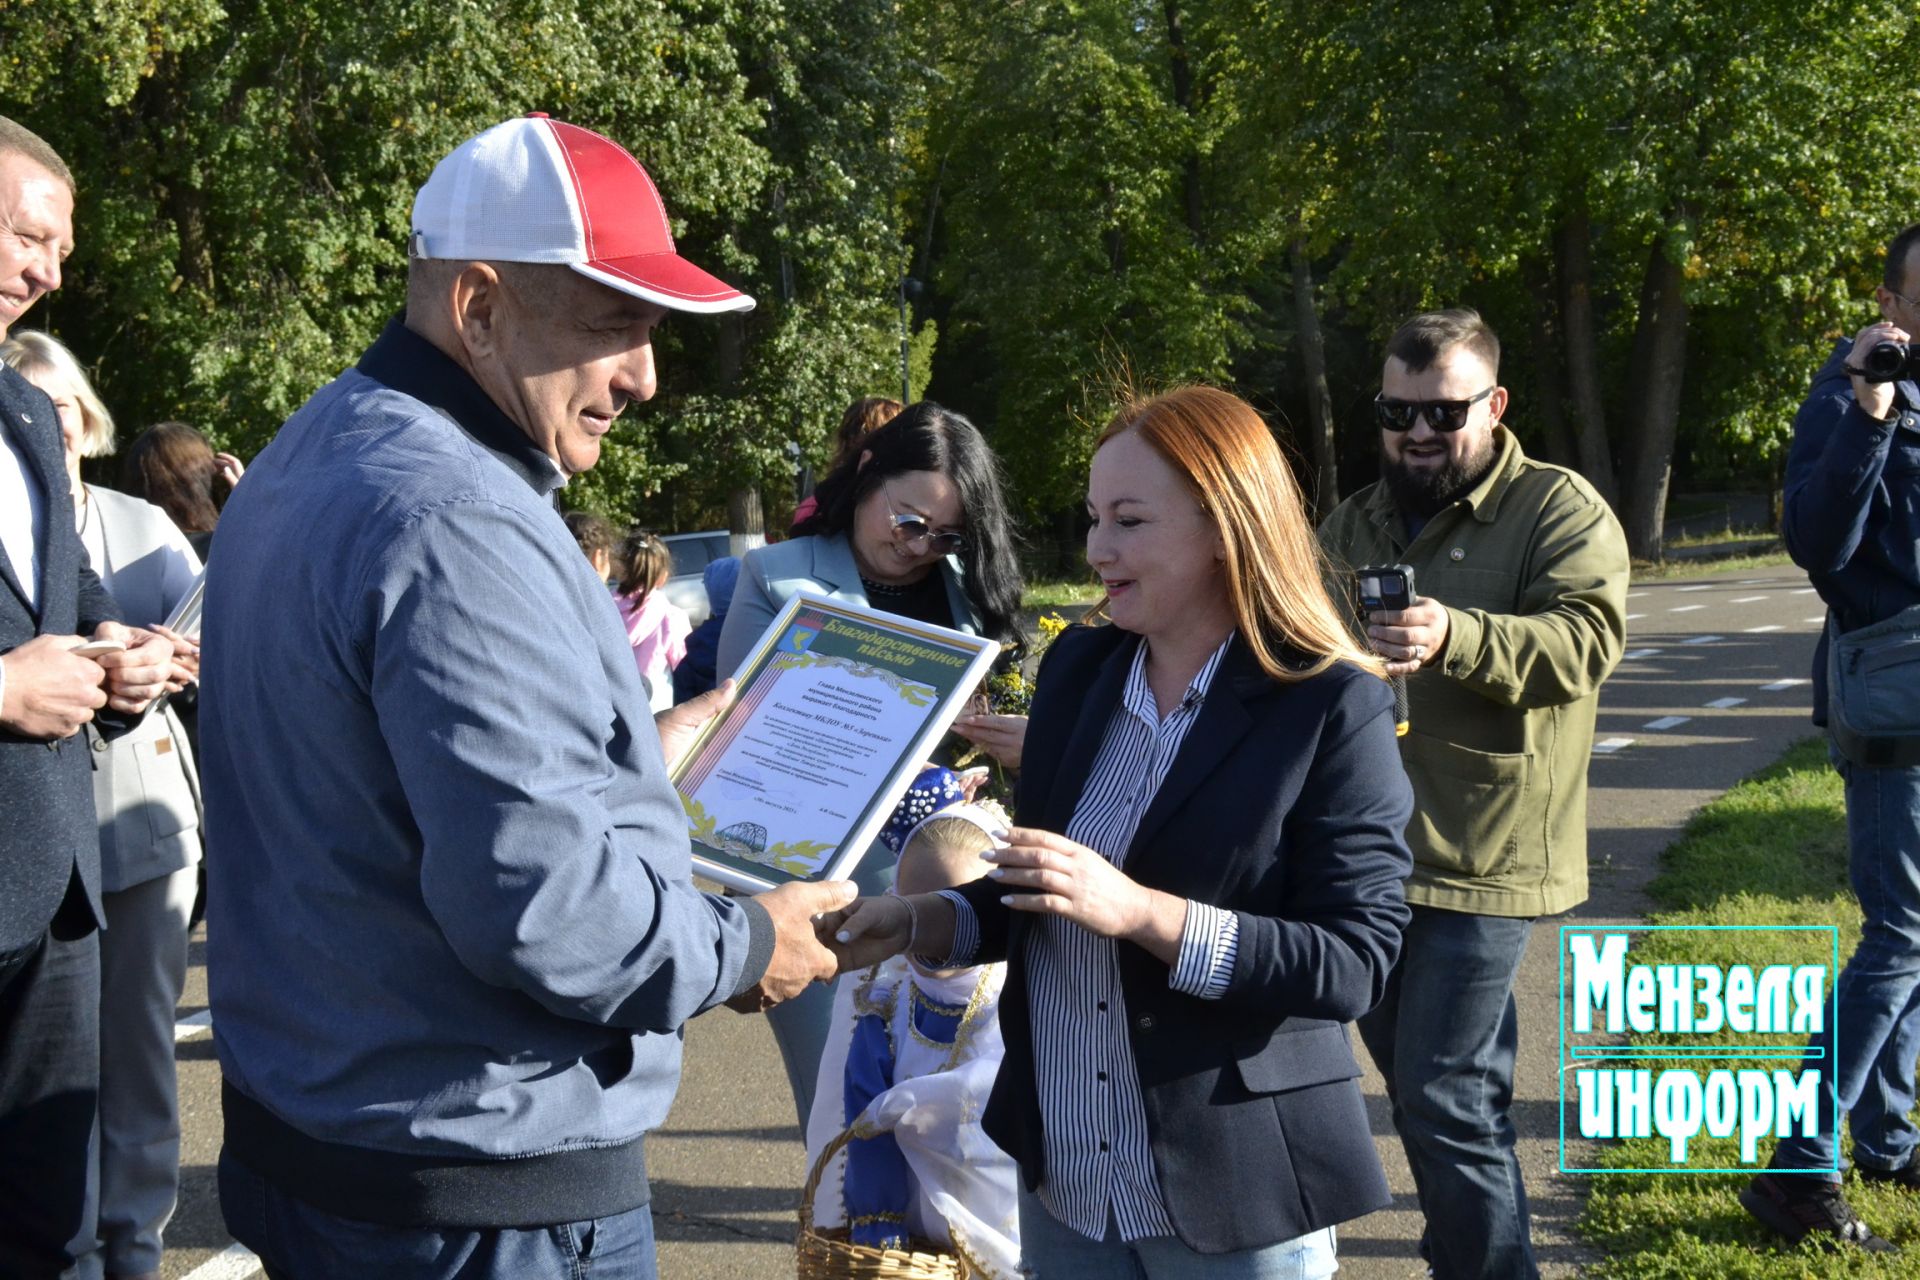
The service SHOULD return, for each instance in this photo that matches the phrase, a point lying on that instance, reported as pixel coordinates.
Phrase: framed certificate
(836, 709)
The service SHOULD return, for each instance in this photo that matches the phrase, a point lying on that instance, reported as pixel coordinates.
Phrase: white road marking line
(1781, 686)
(192, 1025)
(1634, 655)
(1818, 617)
(1727, 704)
(1666, 722)
(1635, 595)
(1705, 586)
(1751, 582)
(1607, 746)
(235, 1262)
(1702, 639)
(1771, 626)
(1746, 599)
(1685, 608)
(1635, 617)
(1802, 591)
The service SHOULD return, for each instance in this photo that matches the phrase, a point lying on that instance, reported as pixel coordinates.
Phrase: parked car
(692, 553)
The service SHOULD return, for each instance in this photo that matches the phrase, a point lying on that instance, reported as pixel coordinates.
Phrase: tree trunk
(1658, 372)
(1183, 97)
(1313, 364)
(746, 521)
(1572, 253)
(1551, 410)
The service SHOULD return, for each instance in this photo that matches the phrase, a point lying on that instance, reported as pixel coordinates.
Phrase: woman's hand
(229, 468)
(1001, 737)
(869, 931)
(1068, 880)
(186, 659)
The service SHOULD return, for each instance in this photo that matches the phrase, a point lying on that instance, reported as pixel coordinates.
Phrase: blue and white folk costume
(909, 1062)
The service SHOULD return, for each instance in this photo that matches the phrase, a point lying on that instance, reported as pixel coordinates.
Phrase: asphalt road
(1714, 688)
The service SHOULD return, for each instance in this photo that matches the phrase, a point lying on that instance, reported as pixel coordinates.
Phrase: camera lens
(1885, 362)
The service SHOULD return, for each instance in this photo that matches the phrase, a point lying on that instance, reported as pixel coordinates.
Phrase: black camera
(1386, 587)
(1889, 362)
(1389, 587)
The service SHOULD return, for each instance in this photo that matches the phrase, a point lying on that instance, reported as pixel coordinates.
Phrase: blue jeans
(296, 1241)
(1051, 1250)
(1444, 1036)
(1878, 993)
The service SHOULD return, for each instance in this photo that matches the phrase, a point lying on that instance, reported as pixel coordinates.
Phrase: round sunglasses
(910, 530)
(1442, 415)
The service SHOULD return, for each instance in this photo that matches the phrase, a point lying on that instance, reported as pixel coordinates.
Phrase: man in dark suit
(49, 844)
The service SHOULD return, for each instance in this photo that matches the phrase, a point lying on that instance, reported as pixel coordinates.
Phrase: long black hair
(926, 437)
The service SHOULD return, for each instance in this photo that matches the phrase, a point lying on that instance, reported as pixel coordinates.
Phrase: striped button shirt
(1099, 1163)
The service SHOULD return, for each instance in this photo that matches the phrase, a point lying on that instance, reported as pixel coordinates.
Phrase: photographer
(1852, 521)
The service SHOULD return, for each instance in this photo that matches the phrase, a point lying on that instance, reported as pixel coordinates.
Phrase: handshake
(822, 930)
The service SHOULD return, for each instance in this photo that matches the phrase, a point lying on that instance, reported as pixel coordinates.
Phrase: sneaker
(1906, 1177)
(1799, 1207)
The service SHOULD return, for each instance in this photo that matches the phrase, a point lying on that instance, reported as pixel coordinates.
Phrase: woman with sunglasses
(914, 523)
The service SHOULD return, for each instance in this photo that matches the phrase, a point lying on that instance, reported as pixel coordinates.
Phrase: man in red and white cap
(454, 936)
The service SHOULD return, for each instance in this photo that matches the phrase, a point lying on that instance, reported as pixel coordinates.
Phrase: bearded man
(1522, 574)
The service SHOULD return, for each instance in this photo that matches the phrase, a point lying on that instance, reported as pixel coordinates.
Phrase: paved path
(1713, 690)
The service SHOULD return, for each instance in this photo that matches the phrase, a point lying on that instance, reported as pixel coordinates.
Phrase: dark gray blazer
(49, 836)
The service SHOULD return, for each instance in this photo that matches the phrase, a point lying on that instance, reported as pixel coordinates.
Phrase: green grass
(1771, 851)
(1669, 570)
(1059, 593)
(1716, 537)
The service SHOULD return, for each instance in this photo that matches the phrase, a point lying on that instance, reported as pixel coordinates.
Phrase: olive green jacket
(1532, 569)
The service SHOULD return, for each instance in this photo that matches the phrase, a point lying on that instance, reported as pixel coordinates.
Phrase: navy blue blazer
(50, 837)
(1287, 804)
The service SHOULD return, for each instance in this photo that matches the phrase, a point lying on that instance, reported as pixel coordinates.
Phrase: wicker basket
(827, 1254)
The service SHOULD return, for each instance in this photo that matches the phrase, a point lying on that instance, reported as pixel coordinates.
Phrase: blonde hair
(1276, 572)
(30, 352)
(949, 846)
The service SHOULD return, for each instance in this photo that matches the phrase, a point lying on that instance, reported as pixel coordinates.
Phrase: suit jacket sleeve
(1329, 955)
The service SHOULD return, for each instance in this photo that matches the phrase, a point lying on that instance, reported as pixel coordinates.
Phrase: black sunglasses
(1441, 415)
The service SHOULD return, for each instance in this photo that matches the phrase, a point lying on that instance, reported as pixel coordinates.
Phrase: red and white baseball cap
(537, 190)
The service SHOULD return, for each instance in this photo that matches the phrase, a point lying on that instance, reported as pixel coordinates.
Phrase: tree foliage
(1668, 209)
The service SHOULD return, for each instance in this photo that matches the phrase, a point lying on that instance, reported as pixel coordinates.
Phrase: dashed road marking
(1666, 722)
(1771, 626)
(1705, 586)
(235, 1262)
(1685, 608)
(1803, 591)
(1634, 655)
(1635, 617)
(192, 1025)
(1607, 746)
(1781, 686)
(1746, 599)
(1635, 595)
(1818, 617)
(1702, 639)
(1727, 704)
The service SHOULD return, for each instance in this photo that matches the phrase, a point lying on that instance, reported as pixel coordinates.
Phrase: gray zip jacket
(452, 935)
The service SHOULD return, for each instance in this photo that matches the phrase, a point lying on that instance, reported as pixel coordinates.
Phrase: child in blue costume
(910, 1059)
